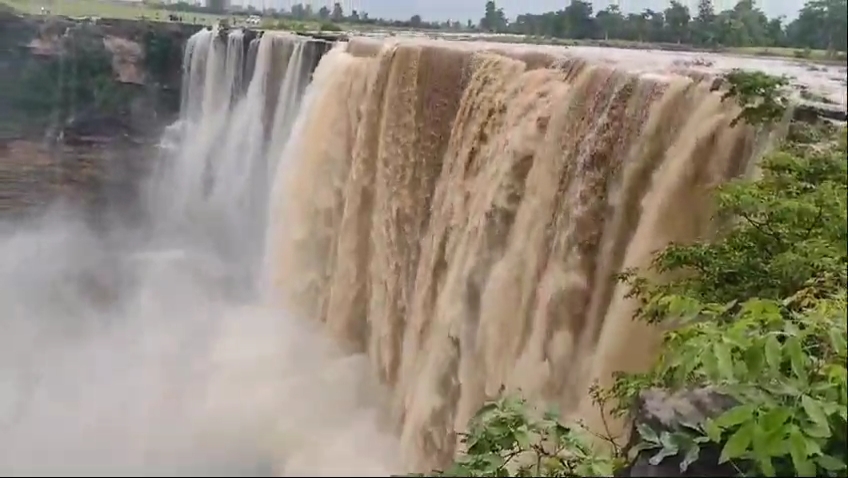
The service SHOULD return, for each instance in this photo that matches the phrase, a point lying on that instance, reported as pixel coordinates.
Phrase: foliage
(761, 315)
(505, 440)
(162, 55)
(329, 27)
(759, 94)
(757, 315)
(822, 25)
(494, 19)
(78, 79)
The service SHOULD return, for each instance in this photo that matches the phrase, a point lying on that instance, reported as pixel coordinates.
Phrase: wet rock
(662, 411)
(328, 37)
(809, 112)
(127, 59)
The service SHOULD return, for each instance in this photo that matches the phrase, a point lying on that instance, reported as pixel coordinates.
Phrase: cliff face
(82, 106)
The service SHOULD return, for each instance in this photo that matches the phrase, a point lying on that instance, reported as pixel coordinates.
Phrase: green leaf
(830, 463)
(642, 446)
(816, 414)
(837, 340)
(774, 419)
(662, 455)
(669, 441)
(798, 451)
(768, 443)
(724, 360)
(766, 465)
(797, 358)
(712, 430)
(493, 462)
(691, 456)
(647, 433)
(735, 416)
(738, 444)
(773, 353)
(485, 410)
(522, 438)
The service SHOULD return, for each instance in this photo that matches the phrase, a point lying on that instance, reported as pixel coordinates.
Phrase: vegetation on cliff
(78, 78)
(68, 73)
(759, 319)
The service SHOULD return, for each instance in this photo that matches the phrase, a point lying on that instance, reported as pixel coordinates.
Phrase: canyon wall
(84, 105)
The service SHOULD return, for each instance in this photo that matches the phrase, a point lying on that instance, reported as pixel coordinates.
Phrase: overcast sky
(473, 9)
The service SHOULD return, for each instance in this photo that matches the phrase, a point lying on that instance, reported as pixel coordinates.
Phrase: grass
(106, 9)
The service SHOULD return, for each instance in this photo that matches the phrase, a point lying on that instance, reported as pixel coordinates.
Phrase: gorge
(344, 248)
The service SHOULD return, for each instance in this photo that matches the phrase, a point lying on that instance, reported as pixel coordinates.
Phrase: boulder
(663, 411)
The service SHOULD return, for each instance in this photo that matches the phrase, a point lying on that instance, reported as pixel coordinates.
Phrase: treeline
(820, 25)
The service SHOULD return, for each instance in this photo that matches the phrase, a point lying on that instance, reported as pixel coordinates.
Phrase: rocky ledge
(664, 414)
(83, 104)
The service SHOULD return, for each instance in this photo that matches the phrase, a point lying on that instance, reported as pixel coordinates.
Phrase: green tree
(324, 13)
(655, 25)
(677, 19)
(821, 24)
(338, 13)
(494, 19)
(703, 26)
(639, 26)
(299, 11)
(775, 32)
(610, 21)
(578, 20)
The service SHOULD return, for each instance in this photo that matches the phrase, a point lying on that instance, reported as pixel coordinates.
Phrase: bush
(329, 27)
(505, 440)
(759, 315)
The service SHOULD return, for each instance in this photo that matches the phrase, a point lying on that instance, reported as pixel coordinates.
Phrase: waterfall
(459, 216)
(348, 247)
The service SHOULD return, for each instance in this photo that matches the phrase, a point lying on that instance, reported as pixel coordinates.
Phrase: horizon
(462, 10)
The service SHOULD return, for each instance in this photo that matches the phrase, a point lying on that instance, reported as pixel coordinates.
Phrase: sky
(473, 9)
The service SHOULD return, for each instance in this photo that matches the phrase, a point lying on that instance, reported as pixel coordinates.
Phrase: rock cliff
(82, 105)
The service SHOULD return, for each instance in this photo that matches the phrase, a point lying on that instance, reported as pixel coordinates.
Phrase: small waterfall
(229, 140)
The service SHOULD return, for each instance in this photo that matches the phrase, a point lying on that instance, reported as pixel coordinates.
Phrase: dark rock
(814, 112)
(329, 37)
(662, 411)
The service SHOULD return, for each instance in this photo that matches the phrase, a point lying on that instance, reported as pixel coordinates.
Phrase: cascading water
(460, 216)
(452, 217)
(147, 351)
